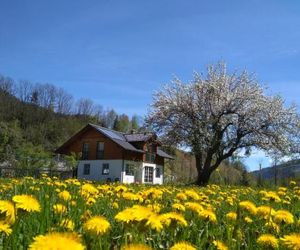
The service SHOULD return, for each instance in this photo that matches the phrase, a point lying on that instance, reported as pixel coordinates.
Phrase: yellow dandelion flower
(115, 205)
(27, 203)
(231, 216)
(154, 223)
(229, 201)
(65, 195)
(271, 196)
(265, 211)
(152, 193)
(135, 213)
(208, 215)
(181, 196)
(172, 217)
(88, 190)
(282, 189)
(131, 196)
(96, 225)
(178, 206)
(220, 245)
(7, 211)
(192, 194)
(59, 208)
(183, 246)
(195, 207)
(121, 189)
(248, 206)
(90, 201)
(5, 228)
(68, 224)
(136, 247)
(267, 241)
(248, 220)
(57, 241)
(154, 207)
(291, 241)
(86, 215)
(272, 226)
(283, 216)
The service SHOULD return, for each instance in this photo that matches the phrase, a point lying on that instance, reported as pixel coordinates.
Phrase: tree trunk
(204, 171)
(203, 177)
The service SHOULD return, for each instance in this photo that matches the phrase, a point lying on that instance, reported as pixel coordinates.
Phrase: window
(151, 148)
(86, 169)
(129, 169)
(148, 175)
(85, 151)
(150, 157)
(157, 173)
(100, 150)
(105, 169)
(151, 153)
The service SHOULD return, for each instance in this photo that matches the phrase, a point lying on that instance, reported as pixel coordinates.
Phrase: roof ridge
(107, 128)
(140, 133)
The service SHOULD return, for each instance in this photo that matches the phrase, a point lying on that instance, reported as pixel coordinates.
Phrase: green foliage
(72, 160)
(31, 156)
(122, 123)
(10, 139)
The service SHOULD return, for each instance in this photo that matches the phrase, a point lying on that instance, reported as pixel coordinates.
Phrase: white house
(108, 155)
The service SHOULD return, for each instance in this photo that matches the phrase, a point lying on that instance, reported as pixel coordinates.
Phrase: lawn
(71, 214)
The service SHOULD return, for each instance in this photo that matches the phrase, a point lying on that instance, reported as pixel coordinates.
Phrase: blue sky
(118, 52)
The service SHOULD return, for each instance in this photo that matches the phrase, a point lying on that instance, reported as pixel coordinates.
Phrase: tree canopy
(222, 114)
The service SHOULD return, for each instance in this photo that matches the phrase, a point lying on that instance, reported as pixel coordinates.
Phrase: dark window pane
(150, 157)
(157, 174)
(86, 169)
(100, 150)
(129, 169)
(85, 151)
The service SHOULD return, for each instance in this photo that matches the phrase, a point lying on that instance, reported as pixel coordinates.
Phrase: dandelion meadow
(49, 213)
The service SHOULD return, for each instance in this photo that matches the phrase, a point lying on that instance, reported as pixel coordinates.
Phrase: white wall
(159, 180)
(128, 178)
(115, 169)
(155, 180)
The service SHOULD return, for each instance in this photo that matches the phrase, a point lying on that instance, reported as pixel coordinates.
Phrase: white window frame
(105, 169)
(148, 175)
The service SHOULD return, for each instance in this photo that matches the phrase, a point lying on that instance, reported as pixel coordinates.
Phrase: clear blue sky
(118, 52)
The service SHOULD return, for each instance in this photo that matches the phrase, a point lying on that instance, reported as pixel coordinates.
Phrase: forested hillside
(35, 118)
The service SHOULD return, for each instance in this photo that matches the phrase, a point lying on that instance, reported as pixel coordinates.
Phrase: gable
(116, 142)
(93, 133)
(92, 137)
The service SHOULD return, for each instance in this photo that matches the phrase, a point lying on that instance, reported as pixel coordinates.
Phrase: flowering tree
(222, 114)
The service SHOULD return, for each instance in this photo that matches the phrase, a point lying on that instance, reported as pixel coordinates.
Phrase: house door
(148, 174)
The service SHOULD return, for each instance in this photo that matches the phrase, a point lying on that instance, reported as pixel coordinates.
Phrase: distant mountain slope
(289, 169)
